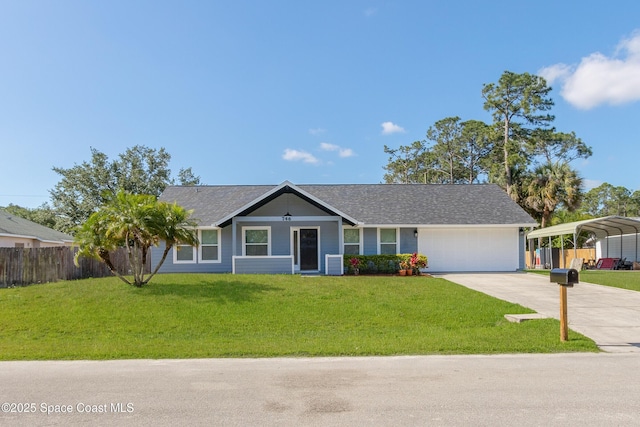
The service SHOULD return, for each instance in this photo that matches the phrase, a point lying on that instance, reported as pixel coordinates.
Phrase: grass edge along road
(223, 315)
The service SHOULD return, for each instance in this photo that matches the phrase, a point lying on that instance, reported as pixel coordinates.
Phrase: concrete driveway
(609, 316)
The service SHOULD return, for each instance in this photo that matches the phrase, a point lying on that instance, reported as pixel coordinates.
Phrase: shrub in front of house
(378, 264)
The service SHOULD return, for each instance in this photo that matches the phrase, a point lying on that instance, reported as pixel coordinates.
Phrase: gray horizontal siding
(370, 241)
(408, 241)
(263, 265)
(222, 267)
(329, 237)
(289, 203)
(281, 244)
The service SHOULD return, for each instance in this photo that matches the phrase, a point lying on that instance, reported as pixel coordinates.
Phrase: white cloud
(325, 146)
(389, 127)
(555, 72)
(346, 152)
(600, 79)
(342, 152)
(297, 155)
(317, 131)
(370, 11)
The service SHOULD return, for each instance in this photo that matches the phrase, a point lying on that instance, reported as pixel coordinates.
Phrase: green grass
(625, 279)
(201, 316)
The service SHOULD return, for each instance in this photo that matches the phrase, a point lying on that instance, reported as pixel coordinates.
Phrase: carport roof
(601, 227)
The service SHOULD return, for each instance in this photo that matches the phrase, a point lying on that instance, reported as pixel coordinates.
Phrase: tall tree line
(606, 200)
(85, 187)
(520, 150)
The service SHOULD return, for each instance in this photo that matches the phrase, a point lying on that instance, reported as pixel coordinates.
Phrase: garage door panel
(470, 249)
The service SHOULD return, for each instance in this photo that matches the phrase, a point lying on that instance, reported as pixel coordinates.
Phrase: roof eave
(223, 222)
(29, 237)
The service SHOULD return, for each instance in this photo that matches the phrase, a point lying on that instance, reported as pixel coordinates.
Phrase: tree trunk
(164, 256)
(507, 168)
(546, 217)
(104, 255)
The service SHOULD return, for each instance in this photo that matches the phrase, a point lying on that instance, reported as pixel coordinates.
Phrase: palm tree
(553, 184)
(136, 222)
(173, 225)
(92, 241)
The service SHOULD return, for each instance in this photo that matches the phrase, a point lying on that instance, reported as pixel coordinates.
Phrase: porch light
(415, 233)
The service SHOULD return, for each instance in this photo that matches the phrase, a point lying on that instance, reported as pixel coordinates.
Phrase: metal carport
(604, 227)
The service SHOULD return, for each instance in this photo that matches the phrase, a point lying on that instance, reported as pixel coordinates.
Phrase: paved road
(499, 390)
(609, 316)
(503, 390)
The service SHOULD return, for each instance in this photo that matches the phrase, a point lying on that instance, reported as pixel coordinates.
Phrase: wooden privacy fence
(20, 266)
(588, 254)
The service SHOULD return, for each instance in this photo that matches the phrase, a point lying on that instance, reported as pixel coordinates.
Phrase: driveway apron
(609, 316)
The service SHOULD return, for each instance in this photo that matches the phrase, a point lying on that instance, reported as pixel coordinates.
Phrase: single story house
(17, 232)
(291, 228)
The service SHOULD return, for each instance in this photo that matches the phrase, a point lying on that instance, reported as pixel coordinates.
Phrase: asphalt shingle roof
(406, 204)
(14, 225)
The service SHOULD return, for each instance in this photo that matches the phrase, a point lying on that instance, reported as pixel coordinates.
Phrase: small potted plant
(404, 267)
(417, 262)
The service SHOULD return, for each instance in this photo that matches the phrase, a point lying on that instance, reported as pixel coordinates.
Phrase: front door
(308, 249)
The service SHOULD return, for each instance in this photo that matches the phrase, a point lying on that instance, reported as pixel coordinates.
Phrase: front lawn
(625, 279)
(203, 316)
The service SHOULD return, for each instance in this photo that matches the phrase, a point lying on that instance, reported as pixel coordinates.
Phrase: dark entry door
(308, 249)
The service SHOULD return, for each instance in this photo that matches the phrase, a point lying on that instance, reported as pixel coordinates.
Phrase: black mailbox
(564, 276)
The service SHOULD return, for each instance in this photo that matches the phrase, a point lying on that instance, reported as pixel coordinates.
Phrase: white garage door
(470, 249)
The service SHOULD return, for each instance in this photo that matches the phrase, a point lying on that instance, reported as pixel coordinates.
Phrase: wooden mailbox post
(566, 278)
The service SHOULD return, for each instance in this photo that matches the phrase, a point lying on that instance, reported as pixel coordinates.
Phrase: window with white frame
(388, 241)
(184, 254)
(352, 241)
(256, 241)
(209, 249)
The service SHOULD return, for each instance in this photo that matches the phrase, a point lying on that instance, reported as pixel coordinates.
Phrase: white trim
(293, 245)
(194, 259)
(445, 225)
(39, 239)
(360, 239)
(397, 238)
(318, 245)
(219, 245)
(244, 238)
(278, 188)
(296, 262)
(327, 257)
(288, 219)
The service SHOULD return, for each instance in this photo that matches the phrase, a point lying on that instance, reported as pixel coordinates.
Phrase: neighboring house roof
(15, 226)
(368, 204)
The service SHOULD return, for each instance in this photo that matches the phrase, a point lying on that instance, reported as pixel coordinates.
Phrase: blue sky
(259, 92)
